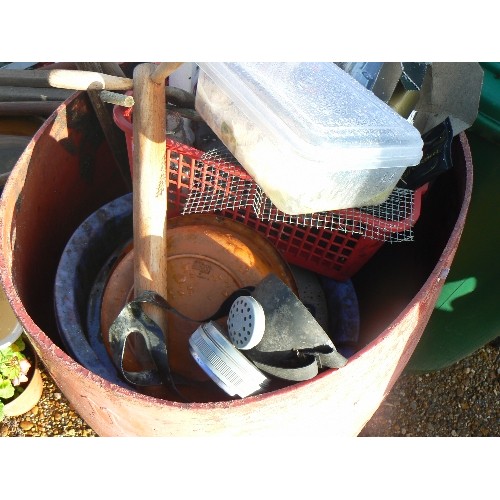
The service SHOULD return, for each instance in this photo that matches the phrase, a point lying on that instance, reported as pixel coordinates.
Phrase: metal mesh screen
(231, 188)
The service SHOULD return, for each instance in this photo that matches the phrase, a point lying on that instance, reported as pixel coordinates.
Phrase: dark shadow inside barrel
(392, 277)
(71, 173)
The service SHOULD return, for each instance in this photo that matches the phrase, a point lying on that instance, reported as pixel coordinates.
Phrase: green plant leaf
(1, 411)
(6, 389)
(20, 344)
(16, 347)
(9, 360)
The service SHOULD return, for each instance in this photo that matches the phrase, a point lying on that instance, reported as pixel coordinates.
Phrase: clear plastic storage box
(310, 135)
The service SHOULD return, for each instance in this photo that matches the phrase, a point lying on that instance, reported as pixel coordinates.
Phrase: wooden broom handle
(82, 80)
(164, 70)
(64, 79)
(150, 189)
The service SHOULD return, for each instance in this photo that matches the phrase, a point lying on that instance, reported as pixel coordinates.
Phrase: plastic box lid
(320, 112)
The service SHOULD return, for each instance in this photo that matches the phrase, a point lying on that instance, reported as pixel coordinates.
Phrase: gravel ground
(461, 400)
(52, 416)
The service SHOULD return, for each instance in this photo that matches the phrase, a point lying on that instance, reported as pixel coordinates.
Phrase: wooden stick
(15, 94)
(150, 189)
(64, 79)
(163, 71)
(114, 136)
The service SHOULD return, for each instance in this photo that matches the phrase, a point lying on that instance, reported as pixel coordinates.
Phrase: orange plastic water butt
(66, 173)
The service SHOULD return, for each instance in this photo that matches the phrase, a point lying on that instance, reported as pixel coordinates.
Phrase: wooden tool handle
(150, 188)
(64, 79)
(164, 70)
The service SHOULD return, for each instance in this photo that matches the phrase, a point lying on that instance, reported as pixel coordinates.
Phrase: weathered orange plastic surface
(64, 175)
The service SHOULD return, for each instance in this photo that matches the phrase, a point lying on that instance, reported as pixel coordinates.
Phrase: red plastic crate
(338, 254)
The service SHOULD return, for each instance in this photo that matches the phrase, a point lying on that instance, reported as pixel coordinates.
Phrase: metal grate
(220, 186)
